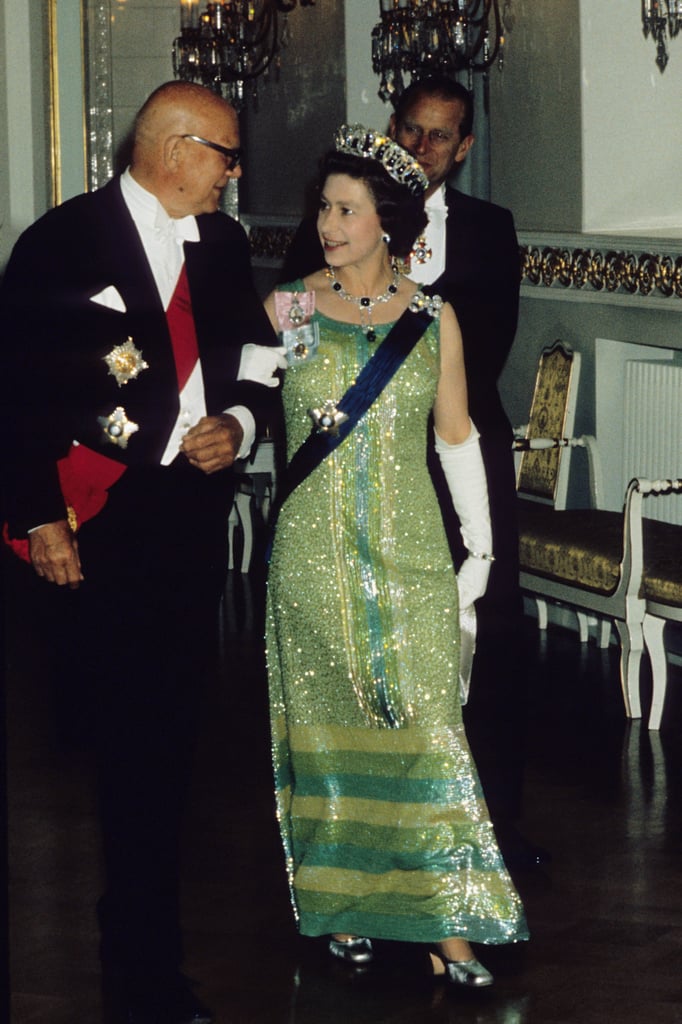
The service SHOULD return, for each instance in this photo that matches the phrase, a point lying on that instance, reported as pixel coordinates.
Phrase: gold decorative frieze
(589, 267)
(627, 272)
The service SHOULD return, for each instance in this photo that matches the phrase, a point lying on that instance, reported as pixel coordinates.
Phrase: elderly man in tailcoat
(125, 312)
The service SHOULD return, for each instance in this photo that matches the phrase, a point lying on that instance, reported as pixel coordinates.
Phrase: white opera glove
(259, 363)
(465, 476)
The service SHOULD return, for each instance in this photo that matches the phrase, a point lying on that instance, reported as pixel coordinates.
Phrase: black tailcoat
(130, 645)
(56, 339)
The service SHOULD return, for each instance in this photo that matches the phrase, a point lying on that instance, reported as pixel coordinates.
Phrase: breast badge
(117, 427)
(125, 362)
(299, 335)
(327, 418)
(421, 253)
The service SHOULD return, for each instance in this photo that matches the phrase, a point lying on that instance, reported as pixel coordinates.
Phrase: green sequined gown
(385, 829)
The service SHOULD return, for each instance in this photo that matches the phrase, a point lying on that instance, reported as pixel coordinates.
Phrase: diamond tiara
(357, 140)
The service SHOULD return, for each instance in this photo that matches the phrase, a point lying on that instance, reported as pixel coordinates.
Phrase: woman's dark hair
(400, 212)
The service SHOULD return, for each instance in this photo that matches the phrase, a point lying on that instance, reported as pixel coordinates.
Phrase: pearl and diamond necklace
(365, 303)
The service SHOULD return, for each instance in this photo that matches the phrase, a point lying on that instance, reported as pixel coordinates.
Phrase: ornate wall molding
(574, 264)
(645, 269)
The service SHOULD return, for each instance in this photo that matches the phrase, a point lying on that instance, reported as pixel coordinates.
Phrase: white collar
(437, 200)
(147, 212)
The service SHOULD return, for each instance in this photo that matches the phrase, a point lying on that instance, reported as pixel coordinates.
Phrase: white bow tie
(181, 230)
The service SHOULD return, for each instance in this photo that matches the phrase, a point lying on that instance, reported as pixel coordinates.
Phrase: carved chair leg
(604, 633)
(232, 524)
(631, 644)
(243, 504)
(542, 613)
(655, 644)
(583, 627)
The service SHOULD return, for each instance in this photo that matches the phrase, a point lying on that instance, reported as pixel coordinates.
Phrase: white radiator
(652, 430)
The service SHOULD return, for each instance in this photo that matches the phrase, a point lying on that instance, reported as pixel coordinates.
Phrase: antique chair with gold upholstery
(581, 558)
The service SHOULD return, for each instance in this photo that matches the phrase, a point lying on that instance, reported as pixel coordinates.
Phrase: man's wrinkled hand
(214, 442)
(54, 554)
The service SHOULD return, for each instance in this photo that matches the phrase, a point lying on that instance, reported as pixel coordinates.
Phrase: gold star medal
(117, 427)
(125, 362)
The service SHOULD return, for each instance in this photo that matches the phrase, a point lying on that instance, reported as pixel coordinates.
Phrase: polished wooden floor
(603, 795)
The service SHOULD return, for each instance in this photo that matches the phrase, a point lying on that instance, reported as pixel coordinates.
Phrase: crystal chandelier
(657, 17)
(422, 37)
(231, 43)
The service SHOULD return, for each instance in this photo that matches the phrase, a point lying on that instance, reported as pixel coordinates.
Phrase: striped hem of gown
(387, 835)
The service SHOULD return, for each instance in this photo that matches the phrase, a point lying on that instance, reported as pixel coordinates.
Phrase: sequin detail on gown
(382, 818)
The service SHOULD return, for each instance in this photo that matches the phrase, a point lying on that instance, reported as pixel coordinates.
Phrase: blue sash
(371, 381)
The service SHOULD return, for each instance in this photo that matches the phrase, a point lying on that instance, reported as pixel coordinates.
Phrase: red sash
(85, 476)
(182, 330)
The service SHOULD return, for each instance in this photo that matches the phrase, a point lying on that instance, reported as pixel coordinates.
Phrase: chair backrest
(543, 475)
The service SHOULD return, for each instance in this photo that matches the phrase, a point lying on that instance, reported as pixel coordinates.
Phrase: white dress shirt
(434, 239)
(163, 238)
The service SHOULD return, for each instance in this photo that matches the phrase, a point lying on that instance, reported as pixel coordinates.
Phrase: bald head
(186, 177)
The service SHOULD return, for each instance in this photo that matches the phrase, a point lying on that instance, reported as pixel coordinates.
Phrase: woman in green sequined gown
(383, 822)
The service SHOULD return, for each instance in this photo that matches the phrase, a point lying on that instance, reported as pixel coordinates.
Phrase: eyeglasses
(415, 133)
(233, 156)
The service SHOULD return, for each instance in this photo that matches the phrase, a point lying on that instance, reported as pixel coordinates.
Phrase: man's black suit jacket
(56, 380)
(481, 281)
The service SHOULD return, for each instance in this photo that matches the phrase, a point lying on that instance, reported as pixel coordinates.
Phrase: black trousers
(139, 632)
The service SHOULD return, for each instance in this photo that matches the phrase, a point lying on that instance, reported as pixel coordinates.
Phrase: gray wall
(536, 126)
(296, 116)
(25, 174)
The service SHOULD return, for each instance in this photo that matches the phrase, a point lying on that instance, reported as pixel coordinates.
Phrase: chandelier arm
(661, 19)
(223, 47)
(498, 37)
(267, 18)
(444, 36)
(482, 19)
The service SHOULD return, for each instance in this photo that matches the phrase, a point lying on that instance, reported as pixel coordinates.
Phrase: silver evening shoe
(469, 973)
(465, 973)
(356, 950)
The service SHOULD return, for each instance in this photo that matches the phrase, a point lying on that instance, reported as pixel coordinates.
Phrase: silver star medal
(327, 418)
(117, 427)
(125, 362)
